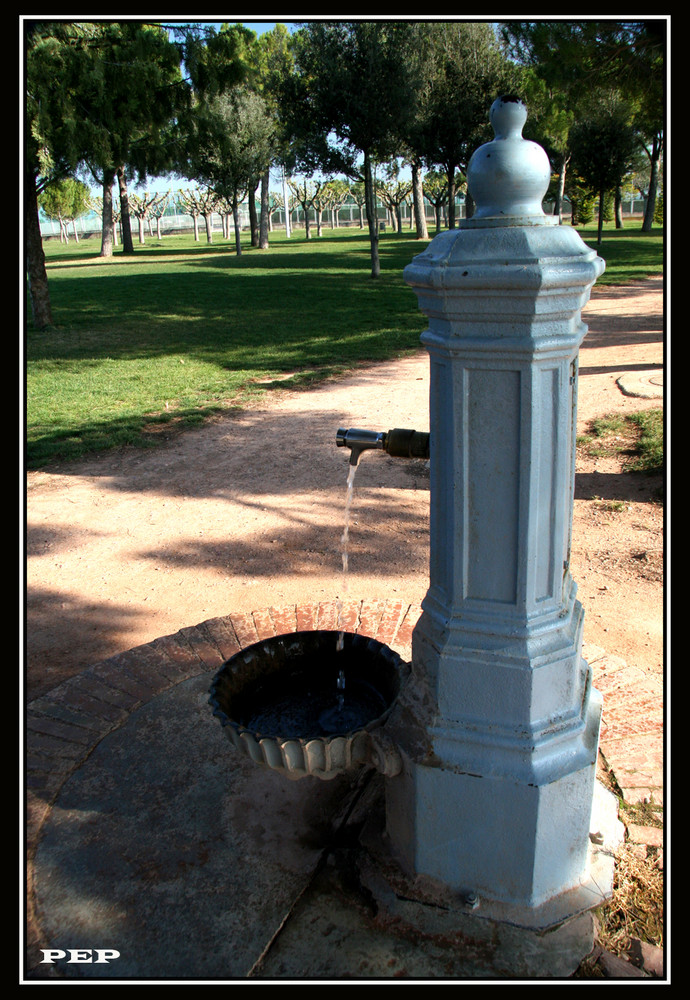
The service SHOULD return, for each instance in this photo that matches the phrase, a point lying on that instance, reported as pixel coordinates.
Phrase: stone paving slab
(64, 726)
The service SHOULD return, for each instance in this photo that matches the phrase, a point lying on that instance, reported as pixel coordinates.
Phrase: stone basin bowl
(280, 702)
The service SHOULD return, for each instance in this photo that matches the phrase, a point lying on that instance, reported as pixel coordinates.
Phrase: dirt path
(247, 513)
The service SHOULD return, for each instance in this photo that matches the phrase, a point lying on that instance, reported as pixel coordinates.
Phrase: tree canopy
(462, 70)
(577, 60)
(131, 99)
(350, 97)
(108, 95)
(232, 145)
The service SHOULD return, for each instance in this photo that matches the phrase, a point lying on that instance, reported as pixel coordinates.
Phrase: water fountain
(311, 703)
(493, 816)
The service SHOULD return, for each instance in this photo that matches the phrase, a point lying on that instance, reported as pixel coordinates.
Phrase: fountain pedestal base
(507, 940)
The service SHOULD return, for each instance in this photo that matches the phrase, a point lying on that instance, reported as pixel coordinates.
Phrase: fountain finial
(509, 176)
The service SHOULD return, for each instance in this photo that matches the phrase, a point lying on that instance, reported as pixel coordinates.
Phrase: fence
(347, 215)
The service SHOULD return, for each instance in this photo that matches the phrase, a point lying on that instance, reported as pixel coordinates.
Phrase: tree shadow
(623, 366)
(635, 487)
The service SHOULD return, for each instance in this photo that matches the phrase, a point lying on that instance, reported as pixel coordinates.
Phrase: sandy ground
(247, 513)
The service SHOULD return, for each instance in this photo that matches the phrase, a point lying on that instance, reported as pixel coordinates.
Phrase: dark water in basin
(316, 711)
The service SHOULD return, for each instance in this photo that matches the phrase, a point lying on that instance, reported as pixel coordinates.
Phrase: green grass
(630, 254)
(181, 330)
(637, 436)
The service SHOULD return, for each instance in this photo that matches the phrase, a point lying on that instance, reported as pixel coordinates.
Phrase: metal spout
(358, 441)
(399, 442)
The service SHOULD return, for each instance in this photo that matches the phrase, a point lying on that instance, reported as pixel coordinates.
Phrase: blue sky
(258, 26)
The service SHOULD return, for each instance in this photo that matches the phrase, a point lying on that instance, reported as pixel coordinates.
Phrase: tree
(130, 91)
(52, 140)
(158, 210)
(276, 205)
(435, 185)
(418, 199)
(549, 123)
(147, 205)
(603, 145)
(231, 146)
(199, 204)
(350, 97)
(107, 94)
(306, 194)
(337, 193)
(577, 59)
(394, 192)
(65, 200)
(463, 71)
(358, 195)
(275, 63)
(551, 89)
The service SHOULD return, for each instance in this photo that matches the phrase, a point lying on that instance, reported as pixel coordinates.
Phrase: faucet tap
(358, 441)
(399, 442)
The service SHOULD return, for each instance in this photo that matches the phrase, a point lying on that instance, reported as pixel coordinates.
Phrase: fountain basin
(280, 702)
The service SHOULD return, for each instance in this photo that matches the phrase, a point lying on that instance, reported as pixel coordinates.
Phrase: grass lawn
(182, 329)
(629, 254)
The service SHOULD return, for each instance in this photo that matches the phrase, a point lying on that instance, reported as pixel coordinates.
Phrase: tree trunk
(265, 216)
(418, 201)
(601, 217)
(107, 227)
(125, 221)
(618, 207)
(208, 219)
(238, 228)
(37, 277)
(560, 193)
(398, 216)
(648, 218)
(451, 198)
(370, 199)
(253, 221)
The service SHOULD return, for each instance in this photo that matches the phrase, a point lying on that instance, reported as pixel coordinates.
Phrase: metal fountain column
(498, 729)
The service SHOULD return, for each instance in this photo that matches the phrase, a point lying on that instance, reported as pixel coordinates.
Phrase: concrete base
(547, 941)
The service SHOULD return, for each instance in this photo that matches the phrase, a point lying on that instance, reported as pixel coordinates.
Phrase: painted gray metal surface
(499, 728)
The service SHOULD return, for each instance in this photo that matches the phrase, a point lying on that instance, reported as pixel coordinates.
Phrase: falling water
(343, 548)
(340, 687)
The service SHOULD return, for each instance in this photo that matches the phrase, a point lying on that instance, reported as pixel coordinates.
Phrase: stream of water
(343, 549)
(321, 713)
